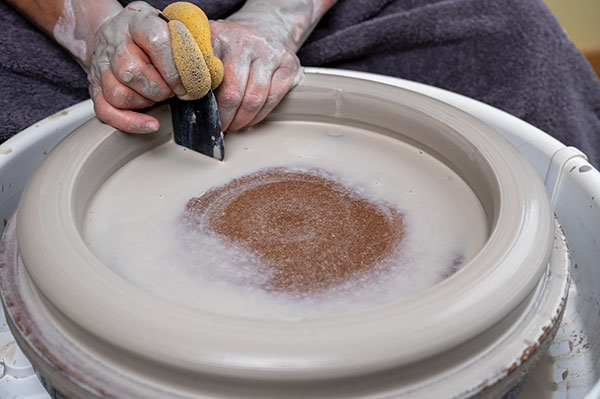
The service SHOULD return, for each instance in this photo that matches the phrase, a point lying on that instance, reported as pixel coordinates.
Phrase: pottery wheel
(312, 231)
(101, 295)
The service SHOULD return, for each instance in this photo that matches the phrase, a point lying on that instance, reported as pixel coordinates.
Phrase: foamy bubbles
(134, 223)
(310, 231)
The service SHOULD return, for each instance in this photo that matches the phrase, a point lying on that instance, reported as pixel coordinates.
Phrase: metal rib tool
(197, 126)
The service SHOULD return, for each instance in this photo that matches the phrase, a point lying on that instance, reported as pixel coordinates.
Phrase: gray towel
(511, 54)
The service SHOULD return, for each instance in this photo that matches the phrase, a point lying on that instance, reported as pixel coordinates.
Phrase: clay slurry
(311, 231)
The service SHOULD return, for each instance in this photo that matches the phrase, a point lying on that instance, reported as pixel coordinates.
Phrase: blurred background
(581, 20)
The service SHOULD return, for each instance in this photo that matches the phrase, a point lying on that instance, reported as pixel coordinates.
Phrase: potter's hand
(129, 59)
(130, 65)
(258, 73)
(257, 46)
(126, 53)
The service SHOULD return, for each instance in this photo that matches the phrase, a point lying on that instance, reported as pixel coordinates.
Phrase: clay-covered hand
(258, 73)
(257, 46)
(130, 65)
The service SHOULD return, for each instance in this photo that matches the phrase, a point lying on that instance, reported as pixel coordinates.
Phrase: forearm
(289, 22)
(71, 23)
(42, 13)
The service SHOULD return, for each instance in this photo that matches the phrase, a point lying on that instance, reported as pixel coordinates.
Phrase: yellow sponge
(190, 62)
(190, 36)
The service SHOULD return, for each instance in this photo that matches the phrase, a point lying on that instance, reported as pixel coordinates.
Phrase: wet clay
(310, 230)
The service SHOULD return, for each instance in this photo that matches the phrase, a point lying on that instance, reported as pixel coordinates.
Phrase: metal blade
(197, 126)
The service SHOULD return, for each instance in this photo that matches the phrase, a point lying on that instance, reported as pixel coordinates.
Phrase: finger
(152, 35)
(127, 121)
(282, 82)
(132, 67)
(255, 95)
(121, 96)
(230, 94)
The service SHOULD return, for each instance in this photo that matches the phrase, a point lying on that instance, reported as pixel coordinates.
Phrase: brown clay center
(310, 230)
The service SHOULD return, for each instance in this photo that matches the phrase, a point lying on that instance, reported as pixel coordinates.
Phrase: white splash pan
(408, 332)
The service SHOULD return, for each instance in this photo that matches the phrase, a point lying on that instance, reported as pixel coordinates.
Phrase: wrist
(78, 26)
(287, 22)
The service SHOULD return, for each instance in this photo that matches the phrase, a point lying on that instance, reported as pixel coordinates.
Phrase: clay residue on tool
(311, 231)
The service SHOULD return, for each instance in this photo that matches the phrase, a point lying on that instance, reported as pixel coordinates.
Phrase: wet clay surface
(311, 231)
